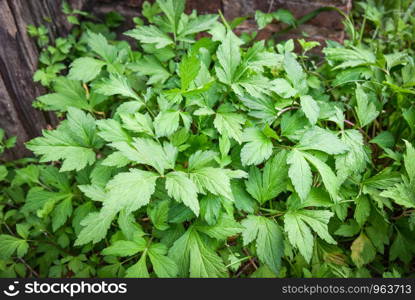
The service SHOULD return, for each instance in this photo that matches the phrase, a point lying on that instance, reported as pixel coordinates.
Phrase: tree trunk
(18, 62)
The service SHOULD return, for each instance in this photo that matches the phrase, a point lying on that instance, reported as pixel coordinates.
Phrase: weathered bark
(18, 62)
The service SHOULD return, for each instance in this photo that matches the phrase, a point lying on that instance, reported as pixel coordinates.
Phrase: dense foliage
(194, 152)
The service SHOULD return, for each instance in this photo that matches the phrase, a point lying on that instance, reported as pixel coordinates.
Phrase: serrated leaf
(310, 108)
(163, 266)
(85, 69)
(214, 180)
(116, 85)
(182, 189)
(224, 228)
(130, 190)
(150, 35)
(139, 269)
(73, 142)
(354, 161)
(95, 228)
(299, 173)
(147, 151)
(295, 73)
(271, 182)
(188, 70)
(229, 124)
(125, 248)
(329, 178)
(198, 24)
(151, 66)
(269, 240)
(194, 257)
(258, 147)
(99, 44)
(297, 224)
(111, 131)
(10, 245)
(229, 57)
(166, 123)
(366, 111)
(317, 138)
(61, 213)
(363, 251)
(173, 10)
(283, 88)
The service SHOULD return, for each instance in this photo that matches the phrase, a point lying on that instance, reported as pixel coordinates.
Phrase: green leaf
(198, 24)
(366, 111)
(166, 123)
(229, 124)
(150, 66)
(355, 160)
(349, 57)
(295, 73)
(188, 70)
(73, 142)
(283, 88)
(310, 108)
(116, 85)
(210, 209)
(297, 224)
(147, 151)
(10, 245)
(327, 175)
(263, 19)
(269, 240)
(3, 172)
(409, 161)
(85, 69)
(99, 44)
(194, 257)
(271, 182)
(173, 10)
(128, 225)
(200, 159)
(159, 214)
(401, 248)
(363, 251)
(362, 211)
(401, 193)
(61, 213)
(299, 173)
(68, 93)
(163, 266)
(225, 227)
(150, 35)
(182, 189)
(111, 131)
(95, 228)
(139, 269)
(125, 248)
(214, 180)
(141, 123)
(229, 57)
(317, 138)
(348, 230)
(130, 190)
(258, 147)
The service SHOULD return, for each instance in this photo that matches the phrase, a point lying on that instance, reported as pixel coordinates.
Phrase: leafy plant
(215, 157)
